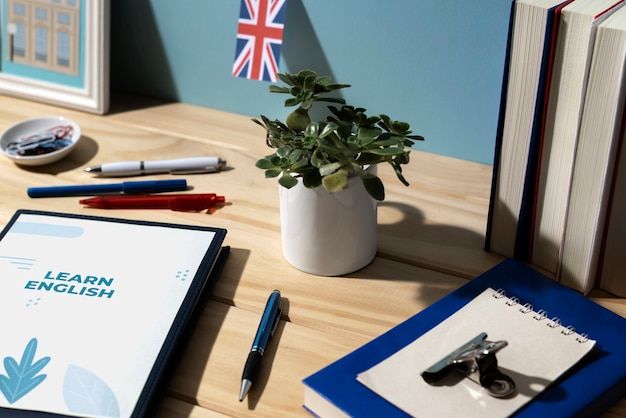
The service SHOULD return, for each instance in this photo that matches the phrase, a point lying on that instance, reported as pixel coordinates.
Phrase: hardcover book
(531, 53)
(601, 130)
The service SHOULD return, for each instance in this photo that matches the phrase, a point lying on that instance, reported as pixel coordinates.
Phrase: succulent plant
(328, 152)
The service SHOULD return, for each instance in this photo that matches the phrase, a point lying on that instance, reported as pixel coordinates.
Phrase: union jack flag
(259, 39)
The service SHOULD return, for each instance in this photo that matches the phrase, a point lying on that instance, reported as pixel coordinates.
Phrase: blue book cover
(586, 390)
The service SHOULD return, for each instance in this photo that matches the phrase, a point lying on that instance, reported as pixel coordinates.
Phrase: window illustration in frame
(56, 51)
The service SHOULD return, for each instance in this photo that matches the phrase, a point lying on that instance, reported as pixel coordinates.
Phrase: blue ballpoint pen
(267, 326)
(151, 186)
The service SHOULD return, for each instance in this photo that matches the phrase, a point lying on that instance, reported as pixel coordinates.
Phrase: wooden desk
(430, 241)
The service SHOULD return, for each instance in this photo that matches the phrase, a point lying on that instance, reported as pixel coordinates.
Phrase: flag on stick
(259, 39)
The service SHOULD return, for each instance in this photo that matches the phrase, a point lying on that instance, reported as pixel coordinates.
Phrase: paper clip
(476, 359)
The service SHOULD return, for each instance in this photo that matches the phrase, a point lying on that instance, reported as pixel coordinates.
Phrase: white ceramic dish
(39, 136)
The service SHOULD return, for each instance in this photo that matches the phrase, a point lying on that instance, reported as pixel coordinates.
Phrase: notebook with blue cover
(589, 388)
(94, 308)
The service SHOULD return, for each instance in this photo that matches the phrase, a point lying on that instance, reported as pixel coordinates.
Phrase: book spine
(525, 225)
(500, 130)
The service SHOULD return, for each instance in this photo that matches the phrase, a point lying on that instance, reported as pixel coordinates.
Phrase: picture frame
(56, 51)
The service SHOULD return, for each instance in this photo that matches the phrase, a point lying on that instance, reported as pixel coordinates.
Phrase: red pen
(180, 202)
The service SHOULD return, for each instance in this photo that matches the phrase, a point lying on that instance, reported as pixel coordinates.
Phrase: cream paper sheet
(537, 355)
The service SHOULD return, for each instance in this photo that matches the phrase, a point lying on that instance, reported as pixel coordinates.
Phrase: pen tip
(93, 170)
(245, 387)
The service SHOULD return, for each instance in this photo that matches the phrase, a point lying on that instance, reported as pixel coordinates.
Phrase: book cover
(93, 308)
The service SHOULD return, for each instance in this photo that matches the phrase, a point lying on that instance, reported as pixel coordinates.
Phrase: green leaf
(374, 186)
(328, 169)
(311, 179)
(386, 151)
(313, 129)
(386, 122)
(337, 86)
(316, 158)
(306, 104)
(306, 73)
(330, 99)
(389, 140)
(295, 155)
(258, 122)
(402, 158)
(309, 81)
(295, 91)
(282, 152)
(278, 89)
(399, 174)
(336, 181)
(365, 135)
(367, 159)
(323, 80)
(400, 127)
(291, 102)
(416, 137)
(328, 129)
(286, 78)
(287, 180)
(372, 120)
(274, 172)
(300, 164)
(264, 164)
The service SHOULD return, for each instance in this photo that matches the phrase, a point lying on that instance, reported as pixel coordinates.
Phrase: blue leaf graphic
(86, 393)
(12, 368)
(21, 378)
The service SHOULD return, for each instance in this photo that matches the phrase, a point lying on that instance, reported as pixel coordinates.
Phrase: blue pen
(267, 326)
(153, 186)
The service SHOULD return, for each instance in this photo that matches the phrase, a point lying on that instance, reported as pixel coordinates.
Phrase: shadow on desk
(452, 249)
(85, 150)
(202, 332)
(123, 102)
(412, 226)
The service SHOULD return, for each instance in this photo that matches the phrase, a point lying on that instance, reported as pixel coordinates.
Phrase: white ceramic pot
(328, 234)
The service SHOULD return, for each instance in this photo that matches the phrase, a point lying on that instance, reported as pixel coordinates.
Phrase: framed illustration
(56, 51)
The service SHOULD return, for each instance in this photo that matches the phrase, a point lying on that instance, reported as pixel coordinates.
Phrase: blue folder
(587, 389)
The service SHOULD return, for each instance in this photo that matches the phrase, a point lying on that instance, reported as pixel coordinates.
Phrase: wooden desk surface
(430, 242)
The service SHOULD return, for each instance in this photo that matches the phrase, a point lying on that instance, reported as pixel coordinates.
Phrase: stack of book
(559, 172)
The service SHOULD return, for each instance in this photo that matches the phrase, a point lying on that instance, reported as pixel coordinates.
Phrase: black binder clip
(476, 360)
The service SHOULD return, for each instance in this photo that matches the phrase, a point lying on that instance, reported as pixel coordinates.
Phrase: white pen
(178, 166)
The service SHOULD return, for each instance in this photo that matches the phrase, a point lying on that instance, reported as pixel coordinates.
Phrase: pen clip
(276, 321)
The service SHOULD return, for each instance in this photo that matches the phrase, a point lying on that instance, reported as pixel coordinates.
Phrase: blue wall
(437, 64)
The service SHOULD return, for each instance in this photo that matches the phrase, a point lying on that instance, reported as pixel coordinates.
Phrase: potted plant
(327, 170)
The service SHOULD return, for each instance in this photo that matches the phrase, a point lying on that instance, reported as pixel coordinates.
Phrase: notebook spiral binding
(540, 315)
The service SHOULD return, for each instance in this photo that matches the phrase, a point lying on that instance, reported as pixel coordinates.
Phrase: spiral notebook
(539, 350)
(585, 390)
